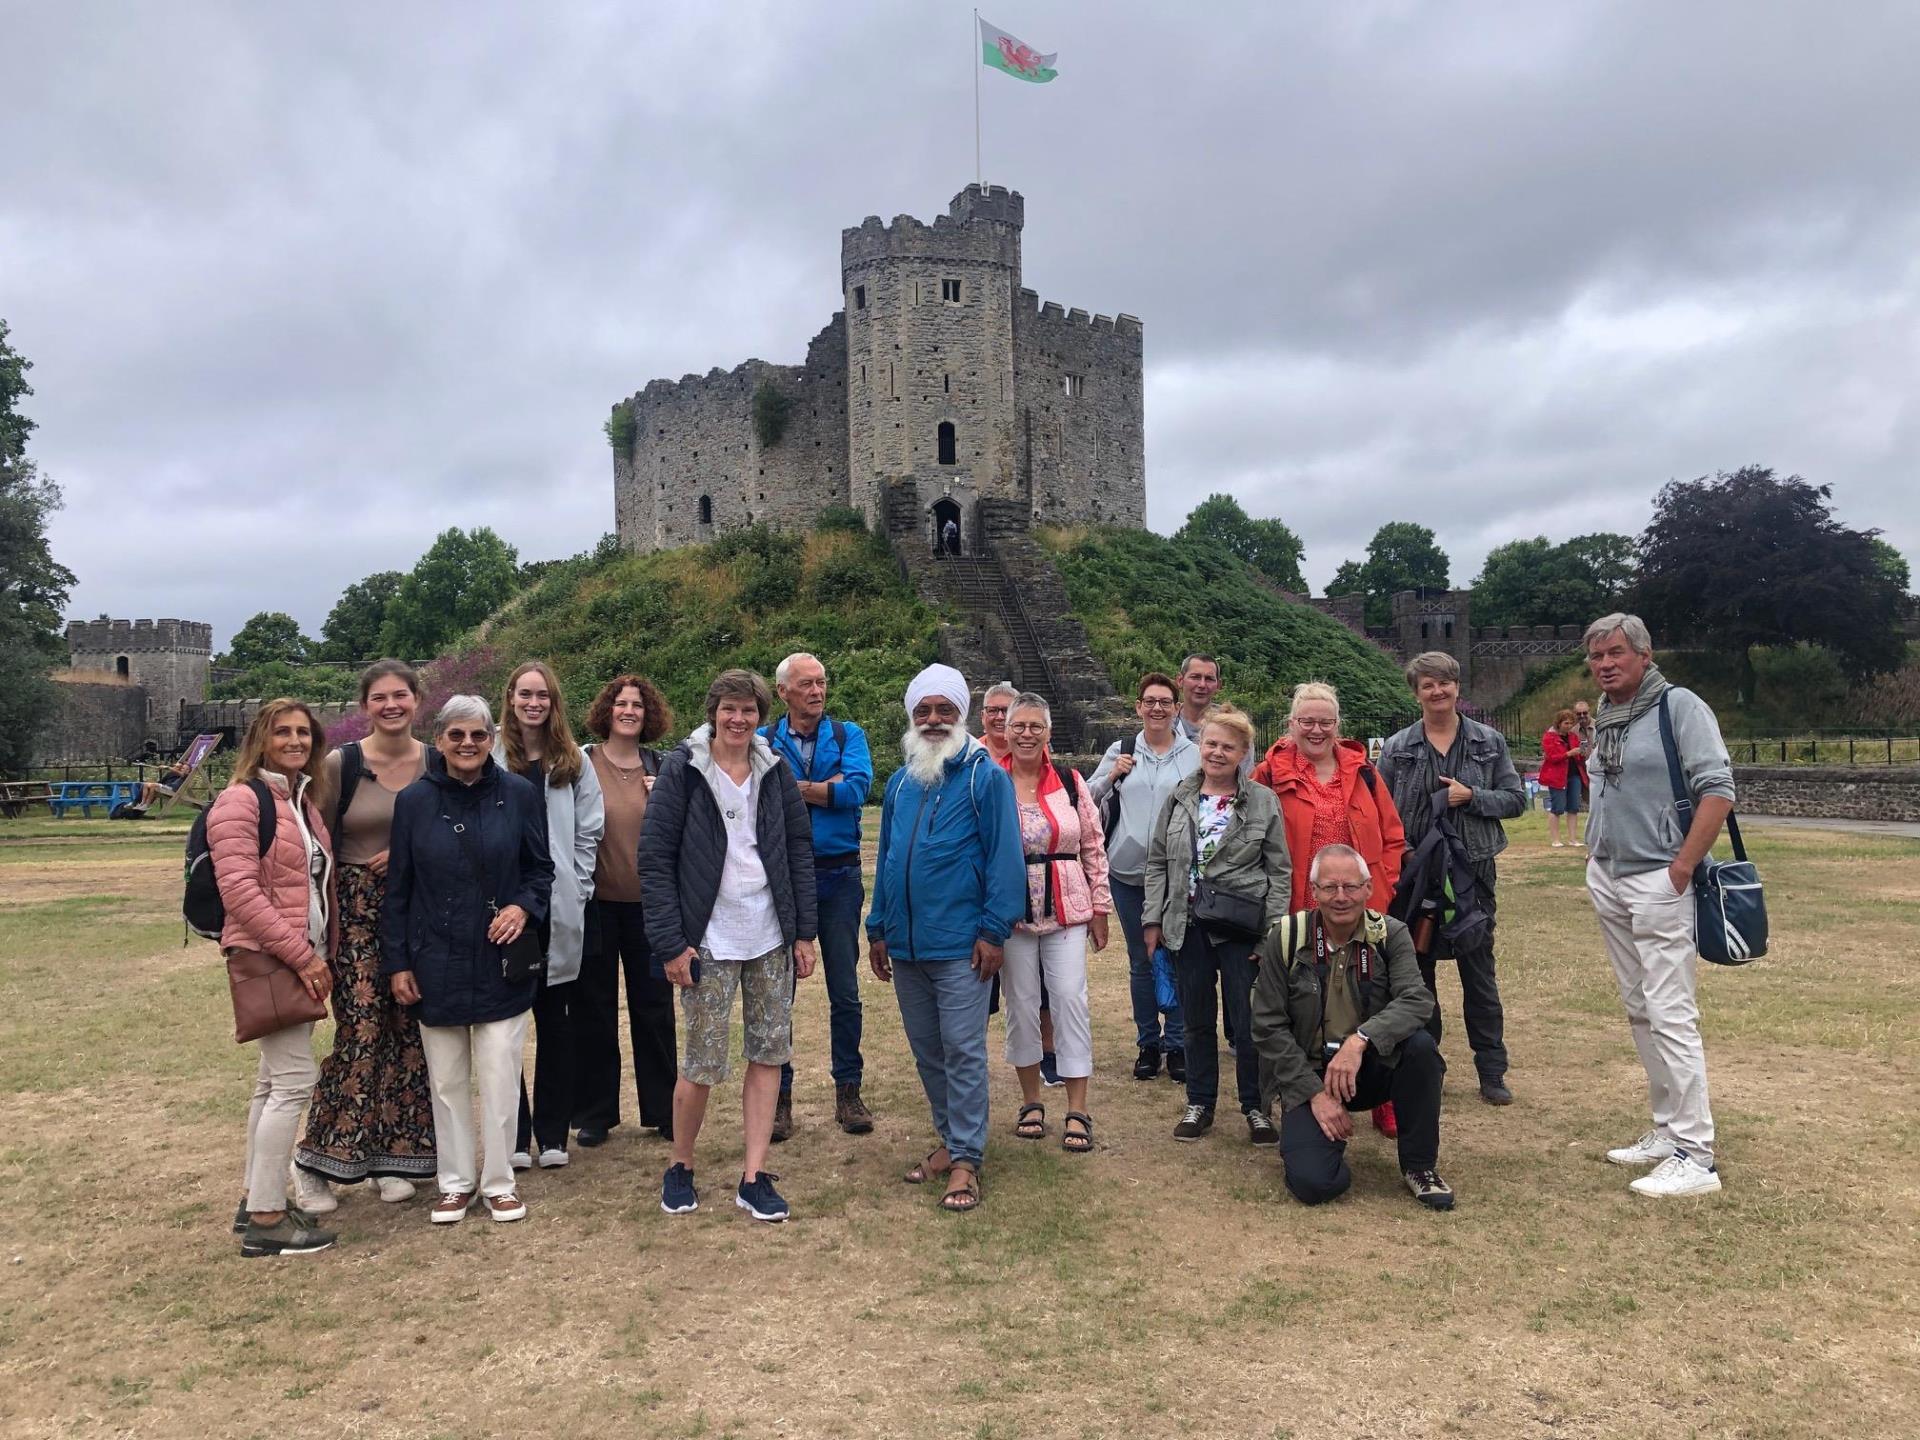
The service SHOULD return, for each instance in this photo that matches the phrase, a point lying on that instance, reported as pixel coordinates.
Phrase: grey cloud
(330, 279)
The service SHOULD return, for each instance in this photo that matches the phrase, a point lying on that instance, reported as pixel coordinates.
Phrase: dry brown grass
(1151, 1289)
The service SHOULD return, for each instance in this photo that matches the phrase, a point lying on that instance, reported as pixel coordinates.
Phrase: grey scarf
(1610, 724)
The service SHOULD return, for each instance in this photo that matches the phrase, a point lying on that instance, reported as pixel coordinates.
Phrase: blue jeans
(944, 1006)
(1128, 901)
(841, 896)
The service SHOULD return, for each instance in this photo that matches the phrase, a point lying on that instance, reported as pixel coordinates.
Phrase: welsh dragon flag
(1000, 51)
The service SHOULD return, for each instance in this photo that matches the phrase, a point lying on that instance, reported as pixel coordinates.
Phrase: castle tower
(930, 354)
(171, 658)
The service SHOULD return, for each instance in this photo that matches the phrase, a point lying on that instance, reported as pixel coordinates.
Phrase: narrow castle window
(947, 380)
(950, 291)
(1075, 386)
(706, 509)
(122, 668)
(859, 297)
(947, 445)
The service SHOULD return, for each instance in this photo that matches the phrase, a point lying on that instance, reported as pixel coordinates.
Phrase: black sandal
(1077, 1142)
(1039, 1130)
(967, 1197)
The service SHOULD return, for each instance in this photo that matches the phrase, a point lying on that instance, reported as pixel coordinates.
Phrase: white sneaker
(393, 1188)
(552, 1159)
(312, 1194)
(1559, 844)
(1650, 1149)
(522, 1160)
(1679, 1174)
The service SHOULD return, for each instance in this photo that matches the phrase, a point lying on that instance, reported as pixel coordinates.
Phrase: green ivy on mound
(754, 596)
(1147, 601)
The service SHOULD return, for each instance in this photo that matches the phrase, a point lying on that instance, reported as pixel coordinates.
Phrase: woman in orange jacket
(1330, 795)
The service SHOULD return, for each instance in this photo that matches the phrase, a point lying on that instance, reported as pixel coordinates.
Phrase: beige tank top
(368, 823)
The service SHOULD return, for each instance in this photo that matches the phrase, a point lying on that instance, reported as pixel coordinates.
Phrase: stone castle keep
(941, 377)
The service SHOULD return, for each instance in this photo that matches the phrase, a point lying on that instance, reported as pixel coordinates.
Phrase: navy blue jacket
(435, 917)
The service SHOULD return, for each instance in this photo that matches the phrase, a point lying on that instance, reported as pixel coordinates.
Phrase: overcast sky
(304, 285)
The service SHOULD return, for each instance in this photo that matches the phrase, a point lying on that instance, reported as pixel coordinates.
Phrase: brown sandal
(926, 1169)
(967, 1197)
(1077, 1142)
(1034, 1129)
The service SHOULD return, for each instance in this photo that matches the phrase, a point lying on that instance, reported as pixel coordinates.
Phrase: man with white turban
(948, 887)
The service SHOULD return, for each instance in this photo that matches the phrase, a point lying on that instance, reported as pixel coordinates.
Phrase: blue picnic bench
(68, 796)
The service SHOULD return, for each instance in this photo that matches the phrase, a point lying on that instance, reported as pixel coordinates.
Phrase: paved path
(1907, 828)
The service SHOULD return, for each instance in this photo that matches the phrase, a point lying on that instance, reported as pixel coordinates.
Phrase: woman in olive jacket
(1226, 829)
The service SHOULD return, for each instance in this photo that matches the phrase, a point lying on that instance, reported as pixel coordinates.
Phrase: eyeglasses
(1306, 724)
(1027, 727)
(460, 737)
(1156, 704)
(1342, 887)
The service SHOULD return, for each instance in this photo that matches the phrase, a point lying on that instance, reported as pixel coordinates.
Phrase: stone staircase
(1014, 620)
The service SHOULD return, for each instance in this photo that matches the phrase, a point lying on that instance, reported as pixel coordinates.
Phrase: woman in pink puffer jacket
(280, 910)
(1068, 902)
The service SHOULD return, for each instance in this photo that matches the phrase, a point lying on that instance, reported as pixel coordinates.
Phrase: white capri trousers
(459, 1059)
(1062, 955)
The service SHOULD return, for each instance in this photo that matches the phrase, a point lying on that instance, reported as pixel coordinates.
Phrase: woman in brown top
(372, 1113)
(627, 714)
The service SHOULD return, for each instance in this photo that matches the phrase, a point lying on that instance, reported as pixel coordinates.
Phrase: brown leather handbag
(268, 996)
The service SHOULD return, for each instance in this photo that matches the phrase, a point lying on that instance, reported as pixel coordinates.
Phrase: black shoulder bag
(1729, 906)
(521, 959)
(1221, 912)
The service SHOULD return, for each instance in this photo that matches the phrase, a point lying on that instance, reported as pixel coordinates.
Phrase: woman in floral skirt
(372, 1113)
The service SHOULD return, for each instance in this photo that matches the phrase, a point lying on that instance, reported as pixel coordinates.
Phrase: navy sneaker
(1050, 1072)
(677, 1195)
(759, 1199)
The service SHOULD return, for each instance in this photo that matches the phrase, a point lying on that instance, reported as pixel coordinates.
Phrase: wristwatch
(1361, 1036)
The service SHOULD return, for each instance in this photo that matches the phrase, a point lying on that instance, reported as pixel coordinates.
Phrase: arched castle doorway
(947, 542)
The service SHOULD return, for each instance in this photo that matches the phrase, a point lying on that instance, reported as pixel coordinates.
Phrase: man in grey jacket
(1640, 873)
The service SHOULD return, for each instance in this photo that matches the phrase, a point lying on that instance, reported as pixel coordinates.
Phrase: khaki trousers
(287, 1076)
(461, 1058)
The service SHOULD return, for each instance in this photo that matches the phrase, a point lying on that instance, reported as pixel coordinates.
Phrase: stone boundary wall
(1830, 792)
(93, 721)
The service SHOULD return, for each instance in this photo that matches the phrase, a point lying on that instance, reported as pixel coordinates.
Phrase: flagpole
(979, 174)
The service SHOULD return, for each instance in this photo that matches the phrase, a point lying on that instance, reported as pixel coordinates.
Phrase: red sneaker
(1384, 1122)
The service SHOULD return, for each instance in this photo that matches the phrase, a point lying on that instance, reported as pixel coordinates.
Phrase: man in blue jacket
(830, 760)
(948, 888)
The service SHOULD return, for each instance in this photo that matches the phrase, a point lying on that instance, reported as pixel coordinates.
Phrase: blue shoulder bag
(1729, 907)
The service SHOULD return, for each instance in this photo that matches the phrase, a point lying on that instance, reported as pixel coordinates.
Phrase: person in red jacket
(281, 905)
(1330, 795)
(1560, 753)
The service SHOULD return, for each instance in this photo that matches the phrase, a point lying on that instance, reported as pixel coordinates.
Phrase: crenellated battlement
(139, 637)
(1030, 307)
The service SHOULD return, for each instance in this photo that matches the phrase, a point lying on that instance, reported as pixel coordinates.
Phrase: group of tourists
(447, 895)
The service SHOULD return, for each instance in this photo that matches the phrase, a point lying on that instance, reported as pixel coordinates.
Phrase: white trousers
(1062, 956)
(459, 1057)
(1649, 935)
(288, 1073)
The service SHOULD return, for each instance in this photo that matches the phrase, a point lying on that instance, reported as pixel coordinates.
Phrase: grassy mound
(1147, 601)
(749, 599)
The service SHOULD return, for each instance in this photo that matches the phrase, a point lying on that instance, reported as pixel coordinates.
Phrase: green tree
(14, 427)
(33, 585)
(270, 636)
(1751, 559)
(352, 628)
(1534, 582)
(1269, 546)
(1892, 564)
(1401, 556)
(463, 578)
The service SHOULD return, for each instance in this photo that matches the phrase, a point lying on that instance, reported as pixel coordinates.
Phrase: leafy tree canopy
(1401, 556)
(1892, 564)
(352, 629)
(272, 635)
(14, 427)
(462, 579)
(1535, 582)
(1752, 559)
(1269, 546)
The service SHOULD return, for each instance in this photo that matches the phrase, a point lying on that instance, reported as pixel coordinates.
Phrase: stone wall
(93, 720)
(1830, 792)
(1082, 441)
(170, 658)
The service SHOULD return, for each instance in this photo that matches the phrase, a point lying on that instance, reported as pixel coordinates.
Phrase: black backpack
(1110, 807)
(200, 903)
(352, 767)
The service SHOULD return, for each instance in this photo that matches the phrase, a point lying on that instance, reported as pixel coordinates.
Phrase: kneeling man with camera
(1339, 1017)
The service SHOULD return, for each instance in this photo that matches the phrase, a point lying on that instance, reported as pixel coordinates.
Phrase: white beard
(925, 758)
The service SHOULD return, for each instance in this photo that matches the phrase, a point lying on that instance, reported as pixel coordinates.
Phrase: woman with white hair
(469, 878)
(1067, 902)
